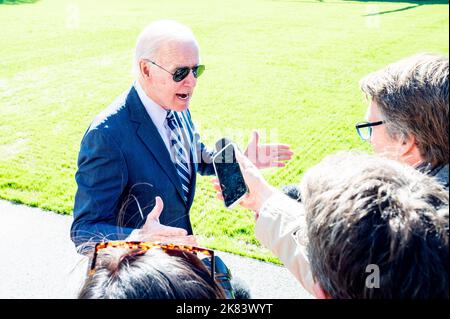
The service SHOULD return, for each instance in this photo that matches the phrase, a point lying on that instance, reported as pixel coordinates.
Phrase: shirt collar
(157, 113)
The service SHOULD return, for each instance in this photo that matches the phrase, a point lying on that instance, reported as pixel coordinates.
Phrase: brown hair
(121, 274)
(363, 210)
(412, 96)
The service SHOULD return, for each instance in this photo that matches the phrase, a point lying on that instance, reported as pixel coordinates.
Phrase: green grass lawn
(287, 68)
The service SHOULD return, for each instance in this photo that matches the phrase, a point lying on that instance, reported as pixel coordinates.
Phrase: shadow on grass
(391, 11)
(17, 1)
(415, 4)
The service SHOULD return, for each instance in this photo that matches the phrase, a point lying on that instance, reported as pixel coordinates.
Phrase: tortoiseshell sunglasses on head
(141, 248)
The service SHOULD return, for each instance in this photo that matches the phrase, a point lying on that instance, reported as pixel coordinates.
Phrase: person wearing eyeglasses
(408, 114)
(407, 119)
(145, 146)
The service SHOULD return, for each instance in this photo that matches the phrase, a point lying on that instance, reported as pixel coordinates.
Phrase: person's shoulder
(112, 116)
(442, 175)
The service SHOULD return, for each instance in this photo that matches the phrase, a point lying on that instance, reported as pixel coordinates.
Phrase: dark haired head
(121, 274)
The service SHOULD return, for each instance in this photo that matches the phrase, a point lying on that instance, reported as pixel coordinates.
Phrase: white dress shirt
(158, 115)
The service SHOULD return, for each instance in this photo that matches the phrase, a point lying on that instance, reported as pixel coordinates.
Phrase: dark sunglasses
(181, 73)
(140, 248)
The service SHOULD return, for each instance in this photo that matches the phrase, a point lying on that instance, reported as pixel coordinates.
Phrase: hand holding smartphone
(229, 173)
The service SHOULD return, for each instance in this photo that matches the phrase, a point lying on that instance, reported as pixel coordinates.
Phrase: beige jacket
(281, 227)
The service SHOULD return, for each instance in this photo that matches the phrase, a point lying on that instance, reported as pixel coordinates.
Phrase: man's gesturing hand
(153, 230)
(267, 155)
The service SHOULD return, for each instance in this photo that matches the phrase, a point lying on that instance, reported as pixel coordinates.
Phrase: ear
(319, 293)
(407, 144)
(409, 151)
(144, 69)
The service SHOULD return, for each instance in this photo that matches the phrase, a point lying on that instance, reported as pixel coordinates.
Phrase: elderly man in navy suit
(143, 150)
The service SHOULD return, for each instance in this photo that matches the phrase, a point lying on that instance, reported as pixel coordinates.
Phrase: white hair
(155, 35)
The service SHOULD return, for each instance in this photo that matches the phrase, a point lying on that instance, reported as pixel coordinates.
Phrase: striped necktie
(179, 153)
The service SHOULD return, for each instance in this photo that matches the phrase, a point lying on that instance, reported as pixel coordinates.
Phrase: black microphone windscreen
(241, 288)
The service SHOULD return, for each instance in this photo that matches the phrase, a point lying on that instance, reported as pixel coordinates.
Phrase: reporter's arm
(278, 217)
(278, 220)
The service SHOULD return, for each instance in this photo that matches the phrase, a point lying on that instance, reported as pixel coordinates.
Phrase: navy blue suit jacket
(123, 165)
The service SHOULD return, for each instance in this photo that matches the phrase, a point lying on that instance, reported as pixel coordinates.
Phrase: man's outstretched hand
(267, 155)
(153, 230)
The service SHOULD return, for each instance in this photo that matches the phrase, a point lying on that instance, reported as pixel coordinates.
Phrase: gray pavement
(38, 260)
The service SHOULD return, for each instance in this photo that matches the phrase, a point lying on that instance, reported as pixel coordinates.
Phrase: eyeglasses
(140, 248)
(181, 73)
(364, 129)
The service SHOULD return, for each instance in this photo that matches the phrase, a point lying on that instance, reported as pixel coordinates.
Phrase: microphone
(241, 288)
(293, 191)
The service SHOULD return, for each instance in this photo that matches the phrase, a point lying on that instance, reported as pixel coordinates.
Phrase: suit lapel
(151, 138)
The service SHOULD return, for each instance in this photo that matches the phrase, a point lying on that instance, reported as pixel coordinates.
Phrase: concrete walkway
(38, 260)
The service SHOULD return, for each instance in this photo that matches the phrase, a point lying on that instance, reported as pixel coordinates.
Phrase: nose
(190, 80)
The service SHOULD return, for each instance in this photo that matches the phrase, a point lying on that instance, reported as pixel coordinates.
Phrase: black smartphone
(230, 176)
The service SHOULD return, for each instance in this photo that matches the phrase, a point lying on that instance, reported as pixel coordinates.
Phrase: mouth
(183, 96)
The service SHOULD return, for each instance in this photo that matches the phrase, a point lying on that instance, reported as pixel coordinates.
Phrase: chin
(180, 107)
